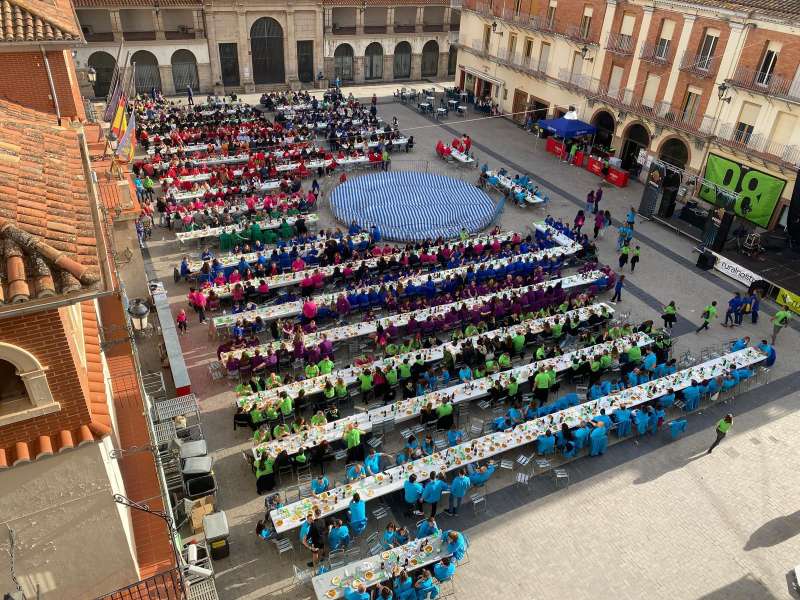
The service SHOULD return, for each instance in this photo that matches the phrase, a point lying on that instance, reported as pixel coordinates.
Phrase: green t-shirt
(318, 420)
(341, 390)
(513, 387)
(541, 381)
(325, 366)
(328, 392)
(405, 370)
(444, 409)
(670, 310)
(551, 377)
(286, 405)
(519, 342)
(365, 380)
(352, 438)
(312, 371)
(505, 361)
(634, 354)
(724, 426)
(279, 430)
(266, 469)
(605, 361)
(557, 329)
(782, 317)
(391, 376)
(709, 312)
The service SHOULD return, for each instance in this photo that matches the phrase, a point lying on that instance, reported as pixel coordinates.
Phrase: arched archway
(452, 60)
(24, 381)
(184, 71)
(606, 124)
(675, 152)
(634, 138)
(343, 62)
(373, 61)
(266, 49)
(103, 64)
(430, 59)
(148, 77)
(402, 60)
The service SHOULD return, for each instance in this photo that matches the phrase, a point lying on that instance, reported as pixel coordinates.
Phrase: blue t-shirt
(358, 511)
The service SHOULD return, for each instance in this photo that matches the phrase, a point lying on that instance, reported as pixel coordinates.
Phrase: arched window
(266, 47)
(24, 391)
(184, 71)
(147, 74)
(343, 62)
(430, 59)
(373, 61)
(402, 60)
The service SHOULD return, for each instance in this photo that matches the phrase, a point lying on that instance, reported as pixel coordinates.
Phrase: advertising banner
(759, 192)
(789, 299)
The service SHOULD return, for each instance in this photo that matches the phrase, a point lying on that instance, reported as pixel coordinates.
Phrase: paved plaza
(654, 519)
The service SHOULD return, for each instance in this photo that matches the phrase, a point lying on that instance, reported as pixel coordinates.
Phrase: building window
(24, 391)
(527, 49)
(691, 103)
(767, 67)
(746, 123)
(544, 57)
(517, 5)
(512, 45)
(706, 55)
(586, 22)
(551, 14)
(626, 31)
(665, 39)
(487, 36)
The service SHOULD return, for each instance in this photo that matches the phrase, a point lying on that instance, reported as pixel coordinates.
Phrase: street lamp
(722, 90)
(138, 312)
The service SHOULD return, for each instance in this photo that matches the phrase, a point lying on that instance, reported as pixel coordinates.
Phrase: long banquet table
(197, 234)
(292, 515)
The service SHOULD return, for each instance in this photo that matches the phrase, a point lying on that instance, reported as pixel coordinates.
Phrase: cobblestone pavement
(654, 519)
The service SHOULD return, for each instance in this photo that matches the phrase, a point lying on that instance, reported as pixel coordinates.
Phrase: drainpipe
(52, 86)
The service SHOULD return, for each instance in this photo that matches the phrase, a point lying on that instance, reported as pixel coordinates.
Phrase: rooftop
(25, 21)
(47, 232)
(136, 3)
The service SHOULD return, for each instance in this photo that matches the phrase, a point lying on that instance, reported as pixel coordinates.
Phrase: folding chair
(302, 576)
(478, 503)
(561, 476)
(283, 545)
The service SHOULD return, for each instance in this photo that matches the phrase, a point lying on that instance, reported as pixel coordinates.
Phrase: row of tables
(508, 184)
(407, 409)
(197, 234)
(291, 516)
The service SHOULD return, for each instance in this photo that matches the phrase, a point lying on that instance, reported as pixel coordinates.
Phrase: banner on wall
(789, 299)
(758, 192)
(735, 271)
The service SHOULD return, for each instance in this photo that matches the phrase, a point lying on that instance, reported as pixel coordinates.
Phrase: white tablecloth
(404, 410)
(217, 231)
(291, 516)
(461, 157)
(508, 184)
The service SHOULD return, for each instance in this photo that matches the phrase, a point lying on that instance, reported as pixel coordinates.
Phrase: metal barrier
(163, 586)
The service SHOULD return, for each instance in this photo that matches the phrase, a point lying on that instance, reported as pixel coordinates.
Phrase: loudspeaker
(706, 260)
(722, 231)
(793, 218)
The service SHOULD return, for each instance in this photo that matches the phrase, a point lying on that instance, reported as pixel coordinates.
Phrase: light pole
(167, 518)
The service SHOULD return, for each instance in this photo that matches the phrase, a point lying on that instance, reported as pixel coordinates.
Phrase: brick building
(711, 87)
(68, 396)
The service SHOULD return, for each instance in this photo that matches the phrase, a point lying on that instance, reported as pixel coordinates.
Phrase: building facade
(712, 88)
(390, 41)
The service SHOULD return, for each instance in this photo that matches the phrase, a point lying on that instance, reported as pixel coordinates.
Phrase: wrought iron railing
(766, 83)
(163, 586)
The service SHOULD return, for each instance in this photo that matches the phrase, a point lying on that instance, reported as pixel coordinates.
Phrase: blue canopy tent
(567, 128)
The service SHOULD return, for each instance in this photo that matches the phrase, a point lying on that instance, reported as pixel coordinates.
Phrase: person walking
(723, 426)
(617, 297)
(779, 321)
(709, 314)
(635, 257)
(670, 315)
(624, 253)
(590, 201)
(580, 219)
(598, 195)
(181, 321)
(599, 223)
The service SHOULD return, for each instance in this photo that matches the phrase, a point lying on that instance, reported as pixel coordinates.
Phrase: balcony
(433, 27)
(768, 84)
(577, 34)
(655, 54)
(107, 36)
(758, 144)
(375, 28)
(183, 33)
(138, 36)
(405, 28)
(619, 43)
(699, 65)
(339, 30)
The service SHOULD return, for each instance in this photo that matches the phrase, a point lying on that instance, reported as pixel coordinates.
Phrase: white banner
(734, 271)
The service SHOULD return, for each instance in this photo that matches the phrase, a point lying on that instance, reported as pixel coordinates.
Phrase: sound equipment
(706, 260)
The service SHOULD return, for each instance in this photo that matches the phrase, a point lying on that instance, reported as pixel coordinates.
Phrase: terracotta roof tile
(27, 21)
(44, 207)
(94, 430)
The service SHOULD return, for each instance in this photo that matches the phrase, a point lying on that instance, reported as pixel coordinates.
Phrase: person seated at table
(444, 412)
(444, 569)
(387, 541)
(427, 528)
(769, 350)
(320, 484)
(454, 435)
(740, 344)
(479, 476)
(412, 494)
(355, 472)
(265, 475)
(402, 584)
(456, 544)
(372, 463)
(357, 513)
(427, 446)
(299, 424)
(338, 535)
(280, 431)
(318, 418)
(358, 593)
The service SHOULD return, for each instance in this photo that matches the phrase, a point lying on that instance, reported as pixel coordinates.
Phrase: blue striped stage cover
(412, 206)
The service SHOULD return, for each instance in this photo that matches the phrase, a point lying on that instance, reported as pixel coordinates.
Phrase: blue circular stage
(412, 206)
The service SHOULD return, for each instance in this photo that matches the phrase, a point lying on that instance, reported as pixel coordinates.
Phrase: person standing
(617, 297)
(670, 315)
(599, 223)
(779, 321)
(624, 253)
(189, 95)
(590, 201)
(630, 218)
(734, 306)
(635, 257)
(723, 426)
(709, 314)
(755, 305)
(580, 219)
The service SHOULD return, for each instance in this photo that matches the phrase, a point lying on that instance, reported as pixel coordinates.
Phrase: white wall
(71, 540)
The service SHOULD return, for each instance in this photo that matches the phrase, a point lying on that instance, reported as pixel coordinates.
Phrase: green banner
(759, 192)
